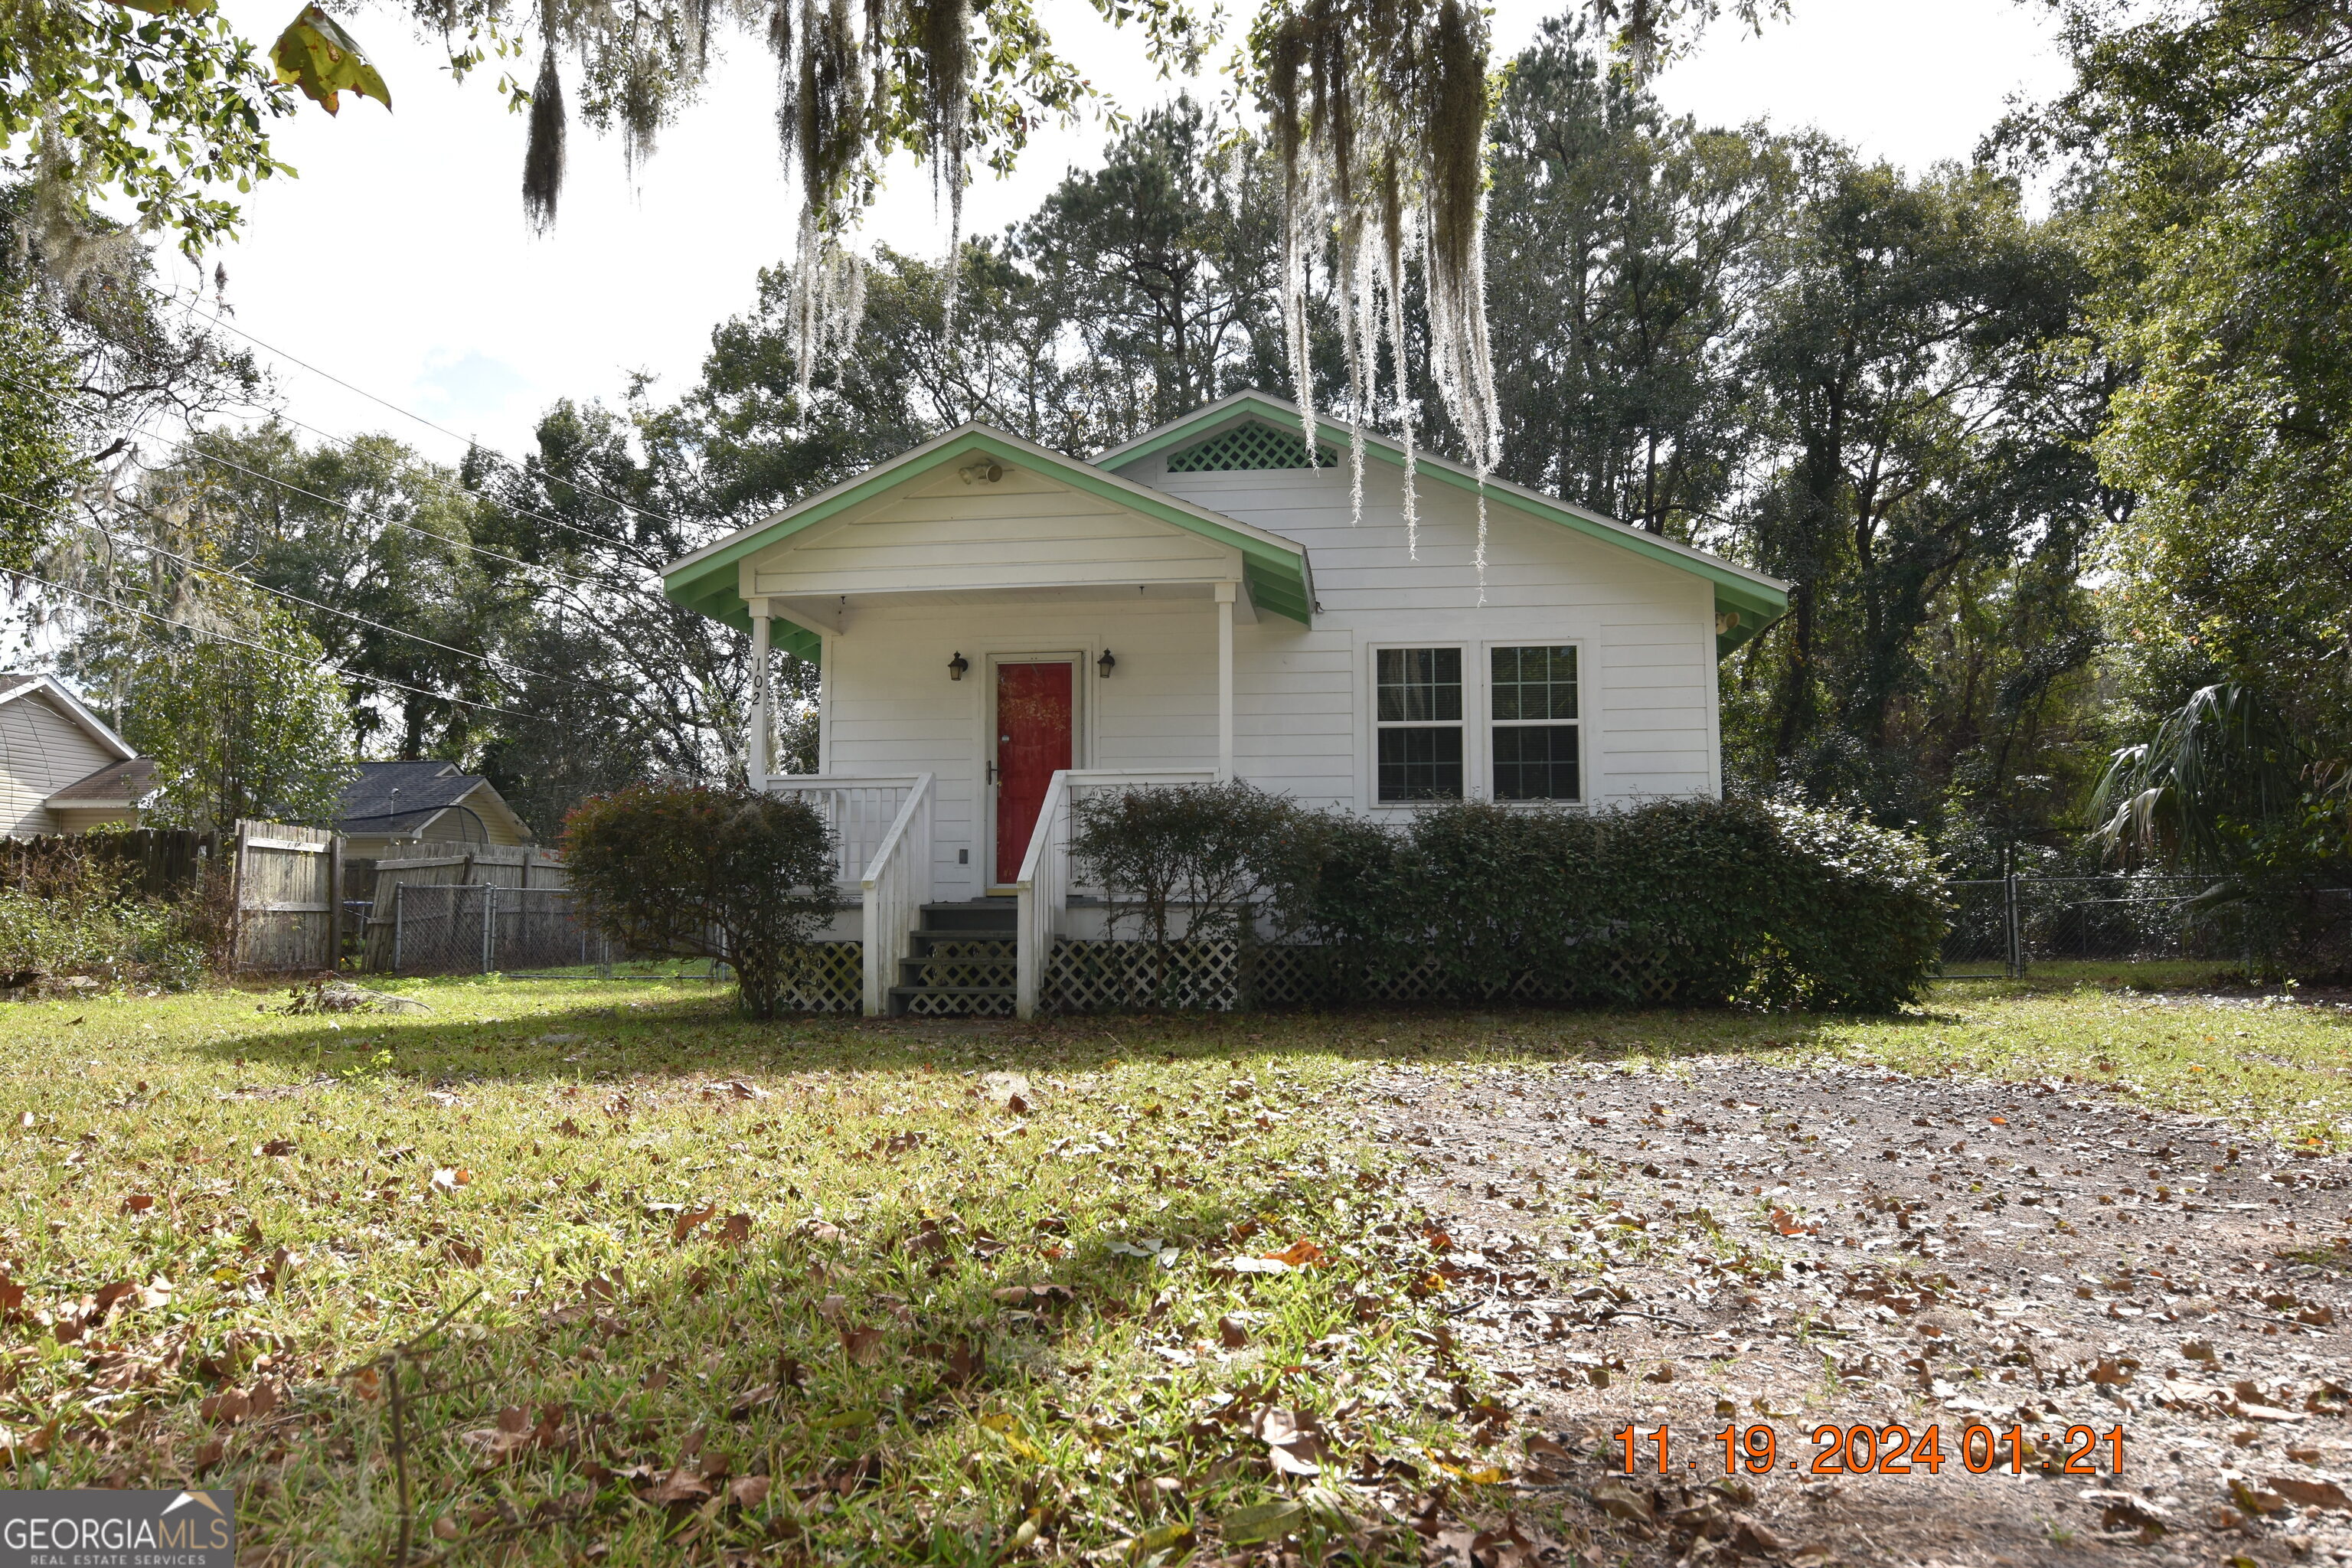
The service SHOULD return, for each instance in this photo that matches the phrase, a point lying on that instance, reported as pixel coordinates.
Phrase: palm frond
(2224, 760)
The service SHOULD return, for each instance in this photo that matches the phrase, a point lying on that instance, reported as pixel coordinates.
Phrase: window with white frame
(1418, 721)
(1532, 708)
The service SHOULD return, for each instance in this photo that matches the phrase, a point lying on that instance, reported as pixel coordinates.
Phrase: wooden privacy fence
(288, 885)
(153, 862)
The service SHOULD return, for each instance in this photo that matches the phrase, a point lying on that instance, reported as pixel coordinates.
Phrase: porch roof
(1745, 600)
(1280, 578)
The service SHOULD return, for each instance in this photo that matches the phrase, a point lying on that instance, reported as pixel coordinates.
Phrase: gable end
(1248, 446)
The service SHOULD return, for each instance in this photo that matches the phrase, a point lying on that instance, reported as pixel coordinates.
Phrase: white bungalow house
(1000, 627)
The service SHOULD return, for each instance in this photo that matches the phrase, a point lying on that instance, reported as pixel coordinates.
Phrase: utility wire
(187, 449)
(195, 307)
(257, 648)
(352, 443)
(492, 661)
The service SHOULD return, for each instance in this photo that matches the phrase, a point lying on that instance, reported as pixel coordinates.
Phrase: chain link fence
(2005, 926)
(470, 929)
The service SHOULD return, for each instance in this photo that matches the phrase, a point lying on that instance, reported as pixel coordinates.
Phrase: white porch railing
(881, 828)
(897, 885)
(1044, 888)
(859, 809)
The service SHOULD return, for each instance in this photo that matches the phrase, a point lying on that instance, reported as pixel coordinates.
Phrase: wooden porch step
(993, 916)
(954, 969)
(964, 961)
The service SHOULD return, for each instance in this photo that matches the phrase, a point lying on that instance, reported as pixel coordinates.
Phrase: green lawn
(818, 1287)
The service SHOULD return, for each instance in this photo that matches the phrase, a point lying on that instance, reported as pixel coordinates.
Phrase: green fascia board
(709, 583)
(1757, 604)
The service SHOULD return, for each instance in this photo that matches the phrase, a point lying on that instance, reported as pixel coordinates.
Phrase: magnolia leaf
(316, 55)
(165, 7)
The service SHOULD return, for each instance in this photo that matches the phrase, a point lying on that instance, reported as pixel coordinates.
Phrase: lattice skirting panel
(946, 1004)
(829, 977)
(1116, 976)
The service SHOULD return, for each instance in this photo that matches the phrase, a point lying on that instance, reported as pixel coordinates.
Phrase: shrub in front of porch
(697, 870)
(1190, 866)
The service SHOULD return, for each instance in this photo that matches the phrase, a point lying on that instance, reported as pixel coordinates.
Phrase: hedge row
(1692, 902)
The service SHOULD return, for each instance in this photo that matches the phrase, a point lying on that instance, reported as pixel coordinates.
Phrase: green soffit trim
(710, 584)
(1743, 606)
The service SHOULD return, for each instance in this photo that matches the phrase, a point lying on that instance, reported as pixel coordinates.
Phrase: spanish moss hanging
(854, 83)
(1378, 109)
(542, 162)
(1378, 114)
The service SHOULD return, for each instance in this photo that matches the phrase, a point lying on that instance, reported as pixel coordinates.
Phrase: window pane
(1421, 765)
(1536, 762)
(1418, 685)
(1534, 683)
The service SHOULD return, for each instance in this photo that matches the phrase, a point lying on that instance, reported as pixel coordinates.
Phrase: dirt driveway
(1779, 1250)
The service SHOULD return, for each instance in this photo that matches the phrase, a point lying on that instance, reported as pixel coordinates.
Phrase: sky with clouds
(398, 261)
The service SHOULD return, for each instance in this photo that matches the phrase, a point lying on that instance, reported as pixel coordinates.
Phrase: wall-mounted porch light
(957, 666)
(1106, 664)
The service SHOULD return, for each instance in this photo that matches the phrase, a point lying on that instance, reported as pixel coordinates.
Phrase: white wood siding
(1302, 697)
(1647, 630)
(42, 750)
(891, 707)
(1023, 531)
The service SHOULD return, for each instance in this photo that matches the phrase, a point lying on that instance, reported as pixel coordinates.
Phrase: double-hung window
(1417, 703)
(1533, 712)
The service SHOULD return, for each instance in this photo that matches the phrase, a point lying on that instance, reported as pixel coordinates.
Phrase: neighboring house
(394, 803)
(1008, 624)
(62, 768)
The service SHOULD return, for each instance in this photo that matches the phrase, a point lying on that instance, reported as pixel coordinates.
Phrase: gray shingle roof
(392, 797)
(131, 779)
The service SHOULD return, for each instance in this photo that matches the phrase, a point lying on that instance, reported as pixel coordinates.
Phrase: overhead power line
(491, 660)
(279, 654)
(195, 307)
(439, 481)
(185, 449)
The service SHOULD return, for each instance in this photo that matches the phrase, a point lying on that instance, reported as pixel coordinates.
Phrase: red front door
(1033, 740)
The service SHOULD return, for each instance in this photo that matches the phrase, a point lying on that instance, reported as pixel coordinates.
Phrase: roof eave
(76, 709)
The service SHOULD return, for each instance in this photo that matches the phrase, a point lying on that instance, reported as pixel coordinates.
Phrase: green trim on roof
(710, 584)
(1757, 604)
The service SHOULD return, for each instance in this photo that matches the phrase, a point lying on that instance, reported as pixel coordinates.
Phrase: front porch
(926, 955)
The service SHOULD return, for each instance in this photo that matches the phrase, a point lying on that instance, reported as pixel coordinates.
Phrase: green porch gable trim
(707, 582)
(1746, 602)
